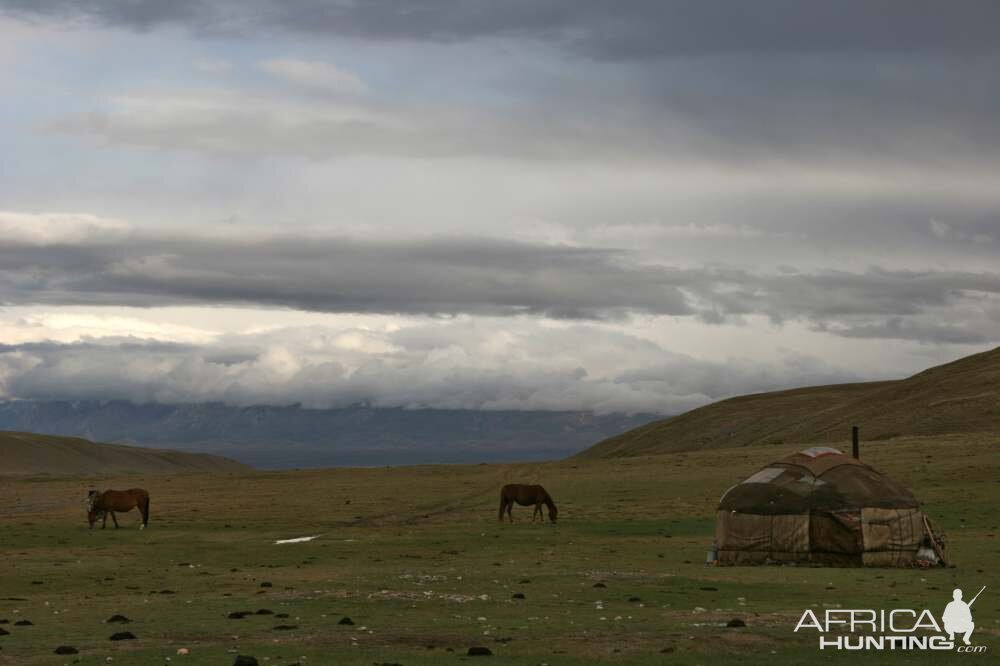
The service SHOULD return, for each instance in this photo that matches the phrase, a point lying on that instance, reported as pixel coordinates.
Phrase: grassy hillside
(30, 453)
(415, 557)
(958, 397)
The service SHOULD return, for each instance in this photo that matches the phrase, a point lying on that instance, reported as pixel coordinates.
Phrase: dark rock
(4, 632)
(286, 627)
(24, 623)
(599, 585)
(123, 636)
(666, 650)
(524, 581)
(66, 649)
(239, 615)
(479, 652)
(634, 600)
(266, 584)
(243, 660)
(517, 595)
(121, 619)
(264, 611)
(281, 615)
(708, 588)
(4, 621)
(736, 622)
(346, 620)
(167, 592)
(37, 582)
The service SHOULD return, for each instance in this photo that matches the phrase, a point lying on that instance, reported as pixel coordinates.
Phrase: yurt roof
(820, 478)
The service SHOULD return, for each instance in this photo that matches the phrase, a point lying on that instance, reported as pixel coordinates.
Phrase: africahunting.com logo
(896, 629)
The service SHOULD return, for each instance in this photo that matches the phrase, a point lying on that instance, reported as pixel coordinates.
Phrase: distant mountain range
(960, 397)
(284, 437)
(31, 453)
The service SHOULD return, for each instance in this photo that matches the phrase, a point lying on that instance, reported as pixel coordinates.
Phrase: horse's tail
(145, 517)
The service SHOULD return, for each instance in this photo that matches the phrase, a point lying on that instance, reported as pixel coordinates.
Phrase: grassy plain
(416, 558)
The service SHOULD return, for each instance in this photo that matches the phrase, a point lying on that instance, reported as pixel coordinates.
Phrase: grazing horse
(101, 504)
(526, 495)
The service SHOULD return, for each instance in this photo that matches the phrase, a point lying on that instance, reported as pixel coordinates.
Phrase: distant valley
(286, 437)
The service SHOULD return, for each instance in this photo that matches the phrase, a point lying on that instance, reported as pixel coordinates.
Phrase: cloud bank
(464, 364)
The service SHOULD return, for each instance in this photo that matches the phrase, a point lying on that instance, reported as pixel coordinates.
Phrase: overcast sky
(563, 204)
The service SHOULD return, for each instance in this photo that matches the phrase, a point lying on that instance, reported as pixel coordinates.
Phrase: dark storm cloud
(450, 276)
(605, 29)
(909, 81)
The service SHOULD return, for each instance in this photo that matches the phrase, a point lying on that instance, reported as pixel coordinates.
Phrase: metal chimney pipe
(855, 441)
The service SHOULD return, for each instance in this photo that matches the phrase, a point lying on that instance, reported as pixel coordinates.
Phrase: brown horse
(526, 495)
(101, 504)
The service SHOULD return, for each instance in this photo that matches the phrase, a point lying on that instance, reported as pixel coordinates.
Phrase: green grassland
(416, 558)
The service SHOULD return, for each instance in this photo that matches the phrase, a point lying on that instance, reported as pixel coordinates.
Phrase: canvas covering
(821, 507)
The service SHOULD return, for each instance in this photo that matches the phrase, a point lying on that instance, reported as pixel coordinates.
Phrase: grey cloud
(339, 275)
(449, 276)
(601, 28)
(897, 328)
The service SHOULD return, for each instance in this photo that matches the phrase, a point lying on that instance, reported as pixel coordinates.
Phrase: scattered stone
(736, 622)
(666, 650)
(239, 615)
(634, 600)
(286, 627)
(264, 611)
(346, 620)
(121, 619)
(243, 660)
(505, 639)
(281, 615)
(4, 632)
(599, 585)
(183, 651)
(517, 595)
(524, 581)
(479, 652)
(709, 588)
(266, 584)
(66, 649)
(123, 636)
(4, 621)
(37, 582)
(24, 623)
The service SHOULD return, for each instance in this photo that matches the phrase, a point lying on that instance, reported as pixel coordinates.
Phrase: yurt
(822, 507)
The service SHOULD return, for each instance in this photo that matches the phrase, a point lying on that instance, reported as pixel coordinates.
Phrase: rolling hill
(30, 453)
(959, 397)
